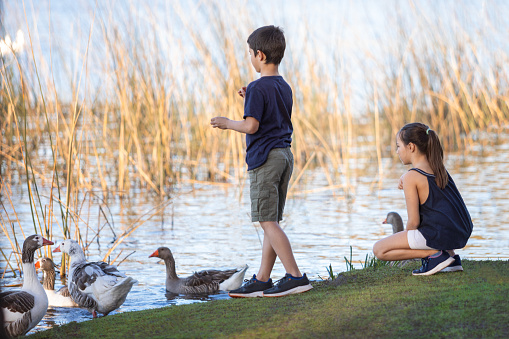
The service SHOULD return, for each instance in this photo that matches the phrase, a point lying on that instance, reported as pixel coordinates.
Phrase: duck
(394, 219)
(23, 309)
(60, 298)
(95, 286)
(203, 282)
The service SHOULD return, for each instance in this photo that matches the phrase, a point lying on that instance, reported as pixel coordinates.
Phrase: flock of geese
(95, 286)
(99, 287)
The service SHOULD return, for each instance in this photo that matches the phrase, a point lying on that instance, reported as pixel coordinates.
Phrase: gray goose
(23, 309)
(60, 298)
(394, 219)
(203, 282)
(96, 286)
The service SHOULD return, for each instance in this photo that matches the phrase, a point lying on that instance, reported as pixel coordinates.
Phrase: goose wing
(208, 276)
(18, 317)
(17, 301)
(64, 292)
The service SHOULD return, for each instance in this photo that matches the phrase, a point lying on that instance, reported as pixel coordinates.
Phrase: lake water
(208, 226)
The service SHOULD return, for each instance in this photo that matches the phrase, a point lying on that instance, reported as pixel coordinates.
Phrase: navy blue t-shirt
(445, 221)
(268, 100)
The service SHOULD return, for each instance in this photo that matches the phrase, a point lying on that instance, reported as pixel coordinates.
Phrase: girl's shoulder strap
(422, 172)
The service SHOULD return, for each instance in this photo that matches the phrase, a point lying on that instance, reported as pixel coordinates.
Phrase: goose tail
(235, 281)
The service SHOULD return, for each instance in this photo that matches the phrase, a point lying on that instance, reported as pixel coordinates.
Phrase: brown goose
(203, 282)
(394, 219)
(23, 309)
(60, 298)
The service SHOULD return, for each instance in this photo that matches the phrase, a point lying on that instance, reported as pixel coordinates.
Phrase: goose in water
(394, 219)
(23, 309)
(203, 282)
(60, 298)
(96, 286)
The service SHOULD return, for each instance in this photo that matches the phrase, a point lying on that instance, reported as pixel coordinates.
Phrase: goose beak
(37, 264)
(155, 254)
(385, 221)
(57, 249)
(47, 242)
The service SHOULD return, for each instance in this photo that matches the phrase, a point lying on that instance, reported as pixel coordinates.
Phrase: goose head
(31, 244)
(46, 264)
(162, 253)
(394, 219)
(68, 246)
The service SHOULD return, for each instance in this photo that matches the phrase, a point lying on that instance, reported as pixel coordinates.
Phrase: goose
(23, 309)
(95, 286)
(394, 219)
(203, 282)
(60, 298)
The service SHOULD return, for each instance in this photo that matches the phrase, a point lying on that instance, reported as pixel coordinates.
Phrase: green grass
(386, 302)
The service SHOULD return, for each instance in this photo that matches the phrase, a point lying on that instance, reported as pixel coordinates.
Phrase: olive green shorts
(269, 185)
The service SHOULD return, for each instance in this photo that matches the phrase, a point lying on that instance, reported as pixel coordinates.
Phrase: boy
(268, 127)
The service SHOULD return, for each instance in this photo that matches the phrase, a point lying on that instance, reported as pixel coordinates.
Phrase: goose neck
(49, 280)
(170, 268)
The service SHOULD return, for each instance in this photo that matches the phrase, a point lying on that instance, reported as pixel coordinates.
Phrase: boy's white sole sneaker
(257, 294)
(295, 290)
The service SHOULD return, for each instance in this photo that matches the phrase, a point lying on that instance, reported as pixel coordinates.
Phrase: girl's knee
(377, 250)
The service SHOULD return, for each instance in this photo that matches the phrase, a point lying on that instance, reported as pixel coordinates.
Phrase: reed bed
(140, 94)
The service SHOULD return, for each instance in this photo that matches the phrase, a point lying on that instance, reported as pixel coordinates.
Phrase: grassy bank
(387, 302)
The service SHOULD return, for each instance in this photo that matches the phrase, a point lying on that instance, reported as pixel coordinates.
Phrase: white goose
(96, 286)
(60, 298)
(23, 309)
(203, 282)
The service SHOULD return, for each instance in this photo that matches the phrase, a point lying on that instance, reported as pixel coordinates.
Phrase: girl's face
(403, 151)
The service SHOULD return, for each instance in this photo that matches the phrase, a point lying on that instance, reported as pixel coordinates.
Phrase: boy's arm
(249, 125)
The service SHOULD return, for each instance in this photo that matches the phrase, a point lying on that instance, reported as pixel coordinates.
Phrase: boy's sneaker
(289, 285)
(251, 289)
(455, 266)
(434, 263)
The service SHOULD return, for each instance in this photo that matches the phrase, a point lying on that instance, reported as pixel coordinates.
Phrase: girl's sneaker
(455, 266)
(434, 263)
(251, 289)
(289, 285)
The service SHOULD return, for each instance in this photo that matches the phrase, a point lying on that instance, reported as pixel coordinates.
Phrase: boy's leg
(268, 259)
(275, 237)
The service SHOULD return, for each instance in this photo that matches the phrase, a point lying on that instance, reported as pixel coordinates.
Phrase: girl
(438, 220)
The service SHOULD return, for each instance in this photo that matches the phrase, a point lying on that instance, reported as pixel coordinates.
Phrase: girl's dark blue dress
(445, 221)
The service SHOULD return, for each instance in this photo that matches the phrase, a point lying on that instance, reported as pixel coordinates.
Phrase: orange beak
(57, 249)
(155, 254)
(37, 264)
(47, 242)
(385, 221)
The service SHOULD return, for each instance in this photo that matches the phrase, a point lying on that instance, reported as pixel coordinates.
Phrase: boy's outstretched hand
(242, 91)
(219, 122)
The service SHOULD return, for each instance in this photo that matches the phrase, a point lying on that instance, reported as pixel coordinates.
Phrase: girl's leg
(281, 246)
(395, 247)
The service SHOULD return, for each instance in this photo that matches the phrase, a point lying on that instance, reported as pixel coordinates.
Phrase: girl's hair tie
(427, 131)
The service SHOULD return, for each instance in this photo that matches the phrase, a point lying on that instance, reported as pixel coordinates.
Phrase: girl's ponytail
(435, 156)
(428, 143)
